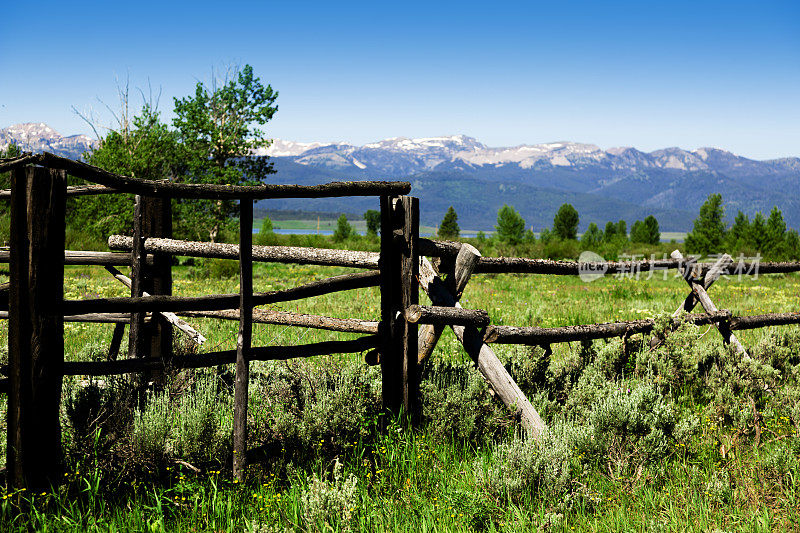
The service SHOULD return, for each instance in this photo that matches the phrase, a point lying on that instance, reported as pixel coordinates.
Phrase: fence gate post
(399, 264)
(36, 327)
(245, 337)
(158, 223)
(136, 343)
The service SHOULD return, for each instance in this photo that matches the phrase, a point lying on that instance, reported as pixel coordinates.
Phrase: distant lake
(330, 232)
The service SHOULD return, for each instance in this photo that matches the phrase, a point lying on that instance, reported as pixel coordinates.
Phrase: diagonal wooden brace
(700, 293)
(466, 261)
(172, 318)
(484, 357)
(712, 275)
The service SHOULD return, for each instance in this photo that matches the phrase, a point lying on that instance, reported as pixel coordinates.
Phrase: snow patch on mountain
(39, 137)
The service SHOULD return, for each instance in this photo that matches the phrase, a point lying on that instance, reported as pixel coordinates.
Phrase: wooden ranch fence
(406, 334)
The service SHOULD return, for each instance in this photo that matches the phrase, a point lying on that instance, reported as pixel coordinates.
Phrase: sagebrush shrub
(719, 486)
(151, 427)
(456, 403)
(311, 410)
(635, 424)
(546, 466)
(330, 505)
(99, 415)
(202, 422)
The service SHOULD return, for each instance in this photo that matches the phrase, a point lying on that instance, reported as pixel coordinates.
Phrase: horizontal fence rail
(265, 254)
(86, 257)
(444, 316)
(75, 190)
(536, 335)
(222, 301)
(209, 359)
(168, 189)
(103, 318)
(284, 318)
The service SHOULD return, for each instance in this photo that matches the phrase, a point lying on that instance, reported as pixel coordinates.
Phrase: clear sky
(643, 74)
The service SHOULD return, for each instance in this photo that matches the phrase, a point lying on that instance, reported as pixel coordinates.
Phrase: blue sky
(644, 74)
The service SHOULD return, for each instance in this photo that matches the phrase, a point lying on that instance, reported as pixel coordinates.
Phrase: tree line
(767, 236)
(510, 229)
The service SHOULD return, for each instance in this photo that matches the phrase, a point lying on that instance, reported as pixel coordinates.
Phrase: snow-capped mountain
(401, 156)
(609, 184)
(672, 182)
(39, 137)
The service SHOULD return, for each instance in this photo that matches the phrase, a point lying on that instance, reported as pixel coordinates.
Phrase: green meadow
(684, 438)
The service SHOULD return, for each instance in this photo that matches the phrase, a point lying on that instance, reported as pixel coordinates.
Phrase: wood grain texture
(220, 301)
(263, 254)
(446, 316)
(466, 260)
(36, 327)
(244, 340)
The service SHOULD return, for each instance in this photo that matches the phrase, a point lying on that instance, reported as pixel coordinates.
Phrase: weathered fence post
(399, 265)
(158, 223)
(136, 344)
(152, 217)
(244, 339)
(36, 327)
(723, 326)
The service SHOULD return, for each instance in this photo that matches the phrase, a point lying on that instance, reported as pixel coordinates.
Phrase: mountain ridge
(670, 181)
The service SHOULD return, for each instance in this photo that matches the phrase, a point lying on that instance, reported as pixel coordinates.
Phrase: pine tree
(709, 228)
(651, 231)
(448, 229)
(510, 225)
(622, 230)
(610, 232)
(757, 235)
(736, 237)
(565, 223)
(775, 231)
(637, 232)
(593, 236)
(266, 234)
(343, 229)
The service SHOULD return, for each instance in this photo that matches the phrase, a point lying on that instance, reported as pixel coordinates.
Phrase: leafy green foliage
(646, 232)
(610, 232)
(448, 228)
(622, 228)
(219, 128)
(373, 219)
(510, 225)
(592, 237)
(146, 149)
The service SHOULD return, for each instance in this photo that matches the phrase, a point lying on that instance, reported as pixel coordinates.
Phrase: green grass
(430, 480)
